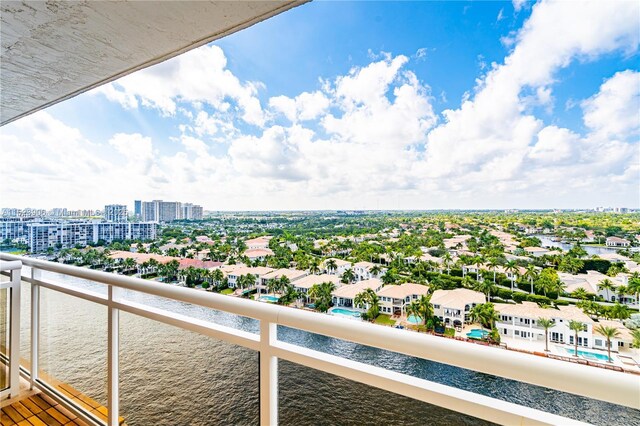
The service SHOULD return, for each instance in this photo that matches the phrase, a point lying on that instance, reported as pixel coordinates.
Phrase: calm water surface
(170, 376)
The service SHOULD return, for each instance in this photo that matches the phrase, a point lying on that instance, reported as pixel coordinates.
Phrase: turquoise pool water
(271, 299)
(414, 319)
(345, 312)
(588, 355)
(477, 333)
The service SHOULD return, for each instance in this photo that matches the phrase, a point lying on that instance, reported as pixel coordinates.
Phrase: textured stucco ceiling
(52, 51)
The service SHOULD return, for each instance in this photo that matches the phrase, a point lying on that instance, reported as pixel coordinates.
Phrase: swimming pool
(349, 313)
(271, 299)
(477, 334)
(587, 354)
(414, 319)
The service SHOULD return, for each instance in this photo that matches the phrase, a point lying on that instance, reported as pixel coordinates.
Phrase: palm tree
(289, 295)
(321, 295)
(314, 266)
(485, 287)
(546, 324)
(273, 285)
(331, 265)
(618, 311)
(217, 276)
(375, 270)
(484, 314)
(390, 277)
(493, 264)
(634, 287)
(576, 327)
(607, 285)
(512, 267)
(414, 309)
(370, 300)
(635, 334)
(446, 260)
(608, 333)
(348, 276)
(478, 261)
(531, 274)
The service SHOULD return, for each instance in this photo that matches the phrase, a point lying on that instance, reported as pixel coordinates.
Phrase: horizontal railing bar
(207, 328)
(459, 400)
(606, 385)
(70, 290)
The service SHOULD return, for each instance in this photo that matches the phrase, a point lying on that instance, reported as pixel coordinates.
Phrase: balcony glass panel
(73, 346)
(312, 397)
(4, 336)
(170, 376)
(556, 402)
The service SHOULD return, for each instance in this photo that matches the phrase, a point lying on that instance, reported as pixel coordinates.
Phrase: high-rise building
(115, 213)
(41, 236)
(168, 211)
(137, 209)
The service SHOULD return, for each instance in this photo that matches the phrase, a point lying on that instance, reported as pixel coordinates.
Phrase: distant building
(617, 242)
(41, 236)
(168, 211)
(115, 213)
(137, 209)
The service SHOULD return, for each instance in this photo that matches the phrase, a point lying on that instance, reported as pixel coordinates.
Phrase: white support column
(35, 326)
(268, 375)
(113, 344)
(14, 337)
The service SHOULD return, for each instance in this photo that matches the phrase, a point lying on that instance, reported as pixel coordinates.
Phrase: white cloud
(367, 139)
(199, 76)
(615, 110)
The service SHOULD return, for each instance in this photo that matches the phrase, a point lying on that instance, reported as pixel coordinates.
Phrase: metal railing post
(14, 361)
(268, 375)
(113, 336)
(35, 326)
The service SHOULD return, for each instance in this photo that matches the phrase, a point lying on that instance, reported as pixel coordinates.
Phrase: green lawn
(385, 320)
(227, 291)
(449, 332)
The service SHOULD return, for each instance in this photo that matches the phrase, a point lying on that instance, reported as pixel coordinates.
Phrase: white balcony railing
(12, 304)
(605, 385)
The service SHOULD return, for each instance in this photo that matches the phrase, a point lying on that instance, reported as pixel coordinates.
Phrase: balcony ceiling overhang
(52, 51)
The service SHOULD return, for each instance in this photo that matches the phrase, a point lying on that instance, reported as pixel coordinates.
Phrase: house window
(598, 342)
(571, 340)
(517, 332)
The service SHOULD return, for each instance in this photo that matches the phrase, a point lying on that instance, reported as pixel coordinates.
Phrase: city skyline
(400, 117)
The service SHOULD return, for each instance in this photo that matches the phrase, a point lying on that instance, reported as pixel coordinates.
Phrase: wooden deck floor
(38, 409)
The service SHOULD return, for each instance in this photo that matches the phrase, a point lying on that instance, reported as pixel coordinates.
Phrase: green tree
(331, 265)
(546, 324)
(348, 276)
(531, 274)
(576, 327)
(608, 333)
(607, 286)
(512, 268)
(484, 314)
(321, 295)
(368, 299)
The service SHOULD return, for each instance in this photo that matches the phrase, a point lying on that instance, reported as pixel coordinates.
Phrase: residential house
(394, 299)
(341, 266)
(617, 242)
(258, 254)
(453, 306)
(302, 285)
(234, 272)
(345, 295)
(520, 321)
(292, 274)
(362, 271)
(536, 251)
(258, 243)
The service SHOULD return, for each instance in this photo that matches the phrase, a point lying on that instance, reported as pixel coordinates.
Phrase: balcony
(159, 354)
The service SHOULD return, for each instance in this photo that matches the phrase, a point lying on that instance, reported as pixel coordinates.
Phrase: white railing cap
(10, 265)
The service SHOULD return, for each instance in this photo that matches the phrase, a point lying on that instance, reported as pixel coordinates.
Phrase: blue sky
(550, 118)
